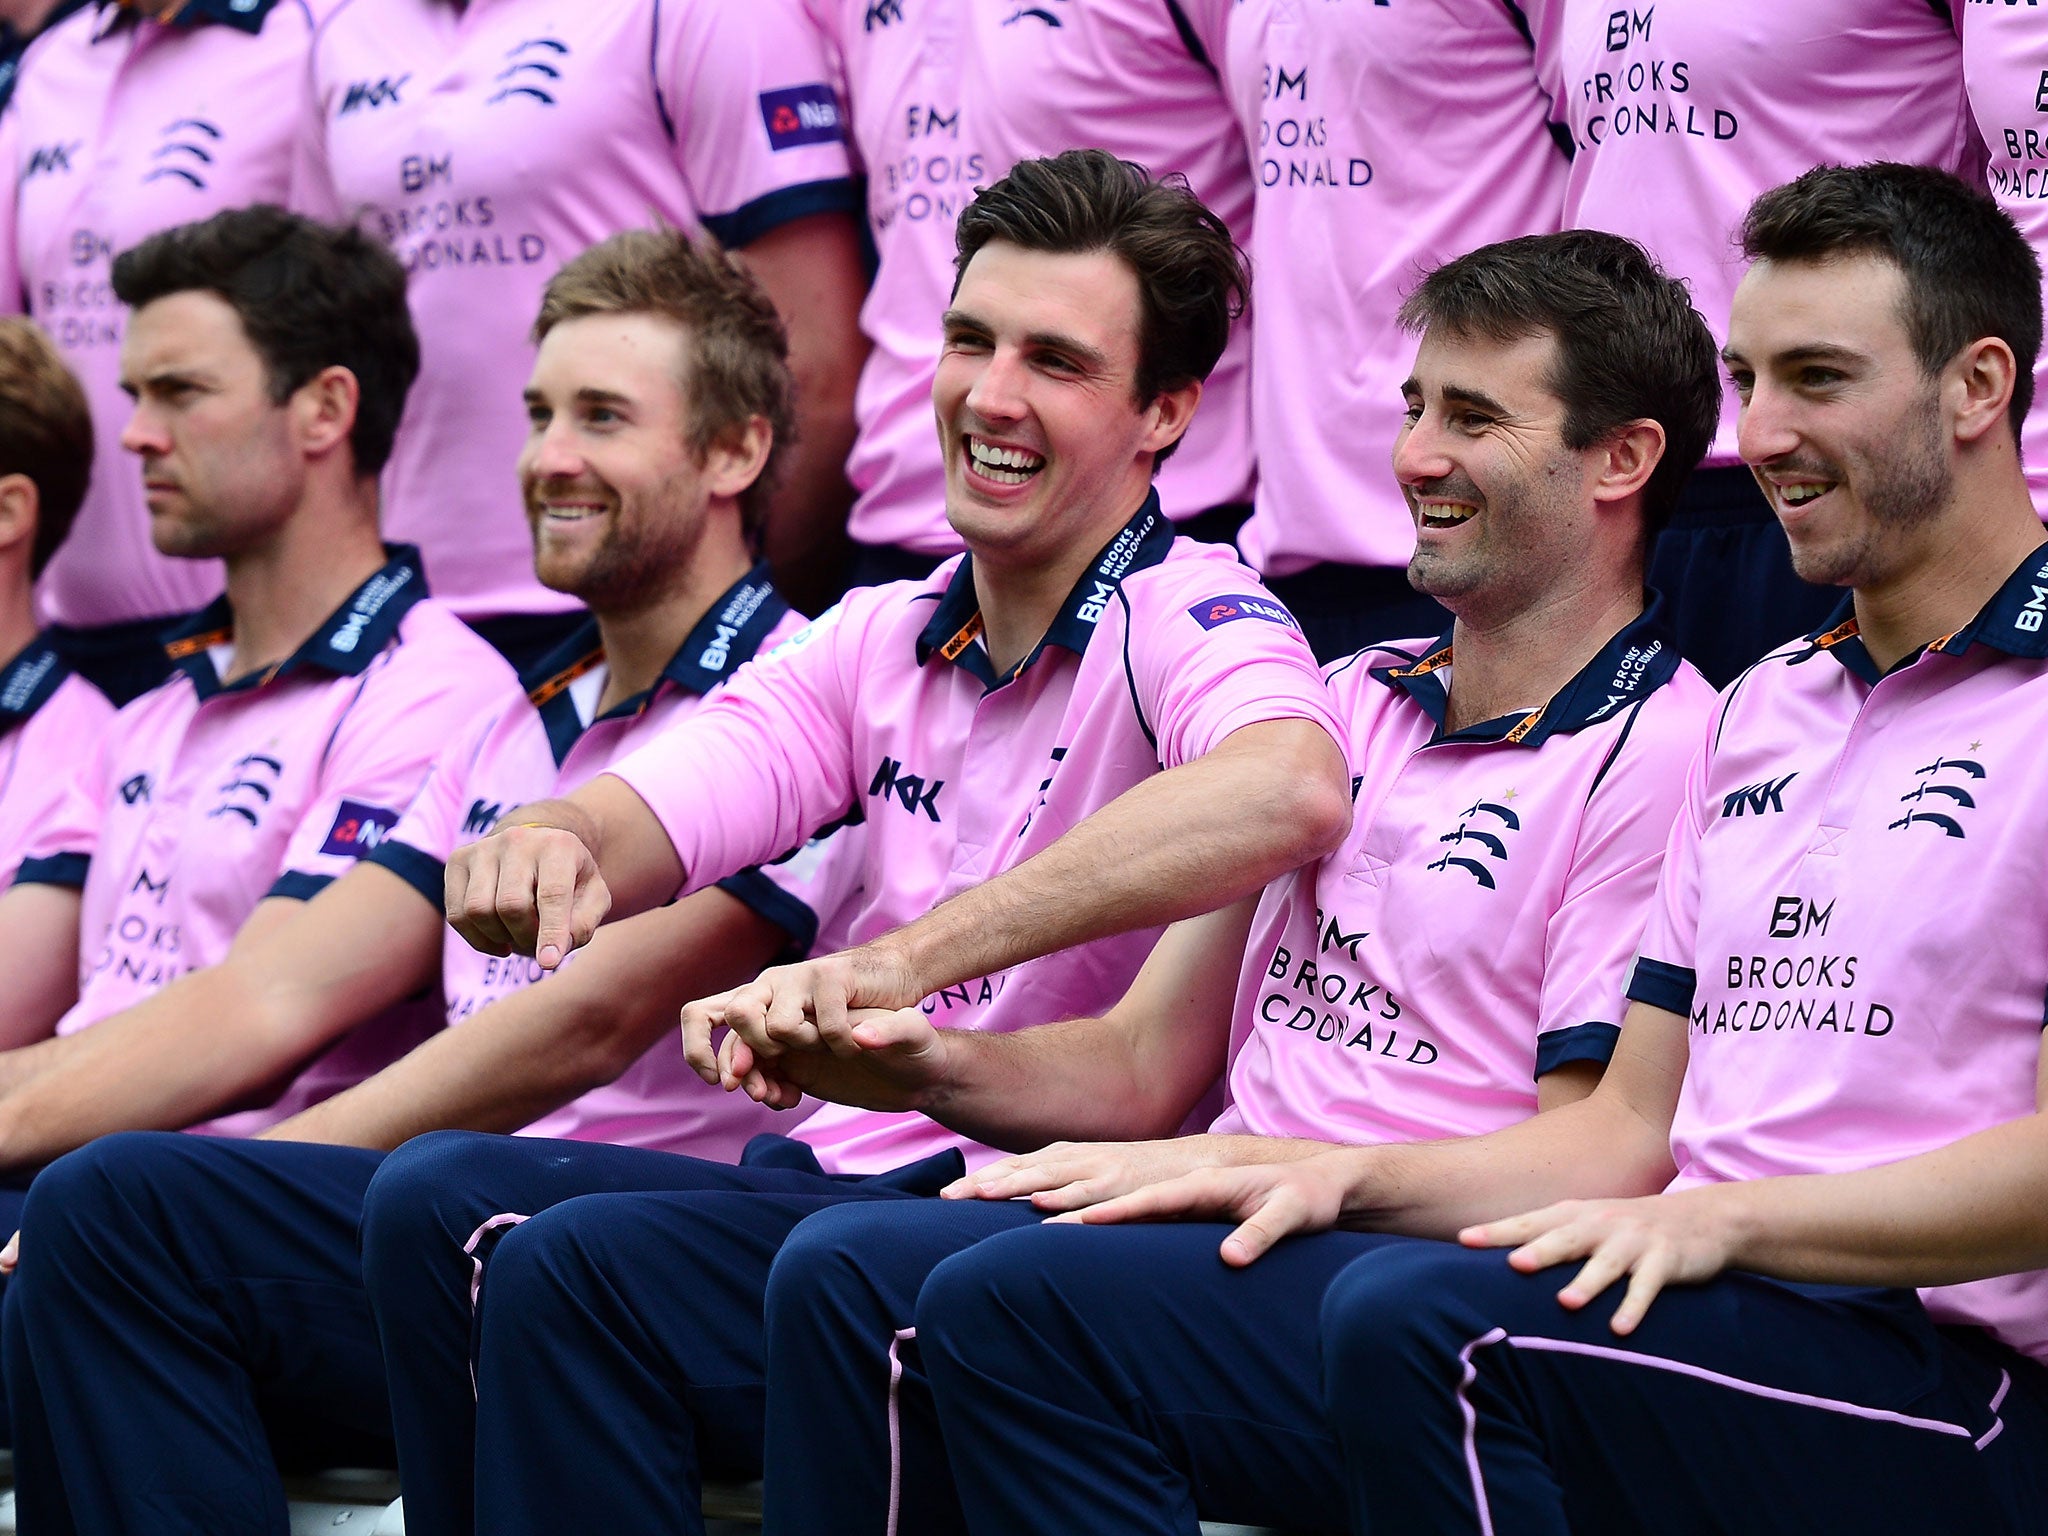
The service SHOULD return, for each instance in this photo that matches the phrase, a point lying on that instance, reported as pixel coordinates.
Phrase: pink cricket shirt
(204, 799)
(1683, 113)
(121, 127)
(546, 745)
(490, 142)
(1476, 928)
(945, 97)
(1424, 123)
(1849, 918)
(50, 722)
(888, 708)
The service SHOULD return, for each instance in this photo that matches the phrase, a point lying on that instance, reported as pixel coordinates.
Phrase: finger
(1512, 1231)
(1190, 1195)
(1645, 1284)
(1029, 1178)
(698, 1050)
(546, 921)
(11, 1254)
(473, 908)
(1606, 1263)
(785, 1014)
(1281, 1214)
(736, 1059)
(592, 901)
(828, 1009)
(1071, 1196)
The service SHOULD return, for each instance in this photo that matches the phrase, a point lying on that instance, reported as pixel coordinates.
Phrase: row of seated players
(1095, 784)
(834, 141)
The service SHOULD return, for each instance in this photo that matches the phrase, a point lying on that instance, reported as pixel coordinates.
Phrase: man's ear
(1979, 385)
(1628, 457)
(1169, 414)
(20, 505)
(736, 460)
(324, 410)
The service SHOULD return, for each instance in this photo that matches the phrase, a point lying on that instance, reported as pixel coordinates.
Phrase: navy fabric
(1745, 1405)
(616, 1335)
(1726, 570)
(524, 638)
(1345, 608)
(187, 1311)
(1125, 1379)
(123, 661)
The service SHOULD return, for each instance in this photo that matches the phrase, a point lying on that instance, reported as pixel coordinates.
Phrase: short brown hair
(1192, 279)
(45, 431)
(736, 362)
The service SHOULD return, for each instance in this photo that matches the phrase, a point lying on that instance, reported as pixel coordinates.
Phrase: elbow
(1310, 803)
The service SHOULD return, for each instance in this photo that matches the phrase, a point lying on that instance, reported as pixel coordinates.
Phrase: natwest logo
(801, 114)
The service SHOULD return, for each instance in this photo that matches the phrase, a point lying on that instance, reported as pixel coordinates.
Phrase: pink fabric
(1683, 113)
(946, 96)
(959, 783)
(122, 127)
(40, 750)
(491, 142)
(1490, 894)
(1356, 124)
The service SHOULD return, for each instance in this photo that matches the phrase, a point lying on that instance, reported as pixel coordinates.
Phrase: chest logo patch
(1941, 796)
(1487, 838)
(185, 153)
(248, 788)
(533, 72)
(368, 95)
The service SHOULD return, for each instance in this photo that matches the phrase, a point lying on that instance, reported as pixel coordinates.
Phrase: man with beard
(1834, 1043)
(658, 405)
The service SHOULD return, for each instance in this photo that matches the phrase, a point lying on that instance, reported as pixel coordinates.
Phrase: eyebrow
(957, 320)
(588, 395)
(1810, 352)
(194, 378)
(1463, 393)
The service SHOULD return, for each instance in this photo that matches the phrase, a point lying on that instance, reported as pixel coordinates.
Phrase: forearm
(1190, 840)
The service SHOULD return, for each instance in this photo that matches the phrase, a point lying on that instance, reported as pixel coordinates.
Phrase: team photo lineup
(1024, 767)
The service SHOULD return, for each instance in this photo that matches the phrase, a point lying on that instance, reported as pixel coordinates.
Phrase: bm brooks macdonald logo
(533, 72)
(1939, 804)
(1240, 605)
(186, 153)
(368, 95)
(801, 114)
(1484, 839)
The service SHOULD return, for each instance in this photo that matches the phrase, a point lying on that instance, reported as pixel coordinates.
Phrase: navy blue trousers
(574, 1332)
(1386, 1385)
(188, 1313)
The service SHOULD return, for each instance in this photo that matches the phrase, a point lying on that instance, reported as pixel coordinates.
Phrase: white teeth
(1799, 495)
(1444, 515)
(1005, 466)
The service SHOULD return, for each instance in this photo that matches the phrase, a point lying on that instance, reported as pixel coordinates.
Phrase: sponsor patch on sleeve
(358, 829)
(801, 114)
(1240, 605)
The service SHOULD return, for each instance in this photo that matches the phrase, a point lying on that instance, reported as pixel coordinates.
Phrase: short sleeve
(1209, 651)
(13, 297)
(1609, 890)
(813, 895)
(757, 114)
(1664, 975)
(60, 850)
(432, 827)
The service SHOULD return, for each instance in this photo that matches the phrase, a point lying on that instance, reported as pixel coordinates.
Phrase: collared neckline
(243, 15)
(1641, 658)
(727, 637)
(2014, 621)
(13, 44)
(955, 623)
(28, 681)
(345, 644)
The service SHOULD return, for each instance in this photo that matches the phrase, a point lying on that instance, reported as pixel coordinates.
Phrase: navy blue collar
(1641, 658)
(14, 44)
(956, 622)
(345, 644)
(28, 681)
(726, 638)
(2015, 621)
(243, 15)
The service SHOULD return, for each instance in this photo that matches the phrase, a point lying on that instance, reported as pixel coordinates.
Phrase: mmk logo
(881, 13)
(910, 788)
(1946, 799)
(186, 151)
(135, 789)
(248, 788)
(531, 72)
(368, 95)
(51, 159)
(483, 815)
(1757, 799)
(1491, 843)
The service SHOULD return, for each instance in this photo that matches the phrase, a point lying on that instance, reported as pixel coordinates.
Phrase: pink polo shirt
(548, 744)
(888, 708)
(1475, 930)
(945, 97)
(1850, 915)
(2005, 69)
(1683, 113)
(489, 143)
(50, 722)
(121, 127)
(203, 799)
(1356, 124)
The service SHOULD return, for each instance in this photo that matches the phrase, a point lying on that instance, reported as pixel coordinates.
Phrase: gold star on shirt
(1978, 743)
(1509, 797)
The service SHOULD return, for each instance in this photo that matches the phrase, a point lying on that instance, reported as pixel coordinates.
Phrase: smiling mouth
(1445, 514)
(1005, 466)
(1804, 493)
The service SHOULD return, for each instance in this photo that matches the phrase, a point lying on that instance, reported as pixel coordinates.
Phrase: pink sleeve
(1611, 887)
(380, 757)
(1210, 651)
(12, 298)
(768, 759)
(1663, 975)
(60, 849)
(814, 895)
(311, 187)
(758, 120)
(433, 823)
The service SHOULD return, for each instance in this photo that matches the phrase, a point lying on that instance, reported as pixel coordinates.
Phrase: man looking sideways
(1851, 1097)
(1084, 729)
(1454, 966)
(657, 404)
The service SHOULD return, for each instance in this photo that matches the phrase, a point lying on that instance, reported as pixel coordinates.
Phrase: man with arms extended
(1454, 966)
(1003, 726)
(1835, 1037)
(657, 405)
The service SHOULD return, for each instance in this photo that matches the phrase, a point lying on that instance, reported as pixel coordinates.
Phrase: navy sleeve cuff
(296, 885)
(422, 871)
(57, 869)
(1579, 1042)
(1663, 985)
(777, 905)
(748, 223)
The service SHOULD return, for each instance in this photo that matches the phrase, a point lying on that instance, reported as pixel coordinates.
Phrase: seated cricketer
(269, 359)
(1835, 1316)
(658, 401)
(1081, 731)
(1456, 965)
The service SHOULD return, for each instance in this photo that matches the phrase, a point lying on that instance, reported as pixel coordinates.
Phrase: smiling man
(1835, 1041)
(1081, 731)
